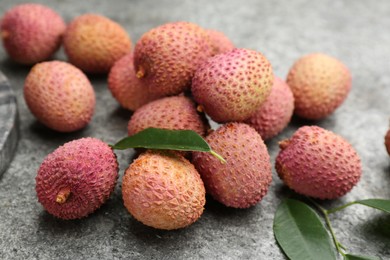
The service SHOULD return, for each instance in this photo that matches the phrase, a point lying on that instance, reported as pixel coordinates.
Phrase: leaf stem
(219, 157)
(339, 246)
(343, 247)
(330, 211)
(325, 212)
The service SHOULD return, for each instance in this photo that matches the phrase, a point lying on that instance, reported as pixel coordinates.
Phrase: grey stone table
(9, 123)
(356, 32)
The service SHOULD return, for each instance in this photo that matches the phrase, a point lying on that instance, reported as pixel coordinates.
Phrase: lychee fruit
(77, 178)
(219, 42)
(31, 33)
(59, 95)
(231, 86)
(163, 190)
(320, 84)
(166, 57)
(387, 141)
(94, 43)
(275, 113)
(318, 163)
(175, 113)
(127, 89)
(244, 179)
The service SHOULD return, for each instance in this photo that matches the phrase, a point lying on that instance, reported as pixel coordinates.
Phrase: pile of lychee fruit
(176, 74)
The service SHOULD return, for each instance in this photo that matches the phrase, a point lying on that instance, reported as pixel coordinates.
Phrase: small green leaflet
(164, 139)
(380, 204)
(300, 232)
(358, 257)
(155, 138)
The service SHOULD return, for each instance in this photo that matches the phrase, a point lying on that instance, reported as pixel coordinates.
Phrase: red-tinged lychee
(320, 84)
(318, 163)
(94, 43)
(175, 113)
(244, 179)
(219, 42)
(77, 178)
(59, 95)
(167, 56)
(163, 190)
(387, 141)
(31, 33)
(127, 89)
(275, 113)
(231, 86)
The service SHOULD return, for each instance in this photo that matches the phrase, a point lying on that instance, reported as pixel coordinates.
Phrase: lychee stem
(140, 73)
(63, 195)
(219, 157)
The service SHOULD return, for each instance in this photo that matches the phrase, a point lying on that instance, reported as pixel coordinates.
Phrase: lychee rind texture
(219, 42)
(59, 95)
(244, 179)
(318, 163)
(94, 43)
(320, 84)
(175, 113)
(31, 33)
(87, 167)
(275, 113)
(387, 141)
(126, 88)
(231, 86)
(167, 56)
(163, 190)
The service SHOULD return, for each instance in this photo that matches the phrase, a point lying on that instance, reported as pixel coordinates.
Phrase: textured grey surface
(356, 32)
(9, 123)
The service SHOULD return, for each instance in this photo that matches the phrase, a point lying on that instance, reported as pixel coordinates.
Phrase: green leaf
(300, 232)
(164, 139)
(380, 204)
(359, 257)
(155, 138)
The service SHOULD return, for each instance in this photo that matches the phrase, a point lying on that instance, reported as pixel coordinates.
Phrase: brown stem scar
(140, 73)
(284, 143)
(63, 195)
(4, 34)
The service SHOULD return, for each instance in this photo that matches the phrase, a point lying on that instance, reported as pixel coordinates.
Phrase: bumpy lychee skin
(77, 178)
(126, 88)
(387, 141)
(94, 43)
(219, 42)
(320, 84)
(275, 113)
(176, 113)
(163, 190)
(59, 95)
(231, 86)
(31, 33)
(244, 179)
(166, 57)
(318, 163)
